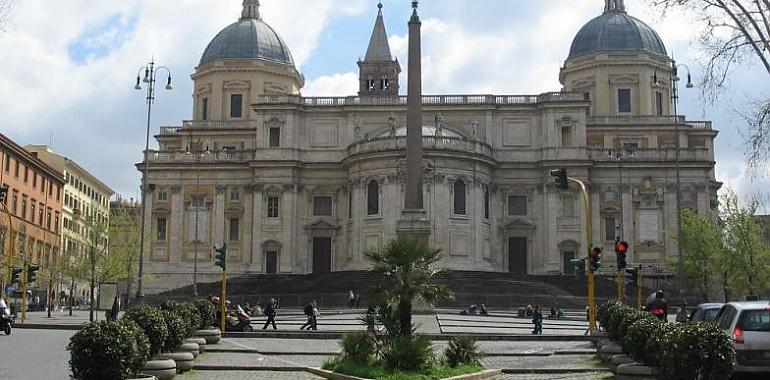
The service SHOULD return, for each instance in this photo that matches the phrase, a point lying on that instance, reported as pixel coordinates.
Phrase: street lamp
(675, 100)
(150, 72)
(620, 155)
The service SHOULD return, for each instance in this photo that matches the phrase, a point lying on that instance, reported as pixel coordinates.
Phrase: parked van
(748, 326)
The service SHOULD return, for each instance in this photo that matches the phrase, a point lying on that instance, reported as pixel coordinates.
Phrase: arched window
(370, 83)
(373, 198)
(384, 83)
(486, 202)
(459, 197)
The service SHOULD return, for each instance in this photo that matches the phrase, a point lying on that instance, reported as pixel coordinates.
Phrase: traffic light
(632, 274)
(621, 249)
(3, 194)
(32, 273)
(15, 273)
(595, 259)
(220, 259)
(560, 178)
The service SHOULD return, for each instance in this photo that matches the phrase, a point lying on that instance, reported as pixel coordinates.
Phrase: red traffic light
(621, 247)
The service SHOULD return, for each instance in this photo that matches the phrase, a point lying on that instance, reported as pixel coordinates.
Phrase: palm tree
(406, 268)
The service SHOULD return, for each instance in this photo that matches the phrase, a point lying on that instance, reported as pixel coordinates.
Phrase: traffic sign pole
(589, 247)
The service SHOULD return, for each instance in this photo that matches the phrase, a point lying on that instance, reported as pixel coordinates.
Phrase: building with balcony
(34, 197)
(302, 185)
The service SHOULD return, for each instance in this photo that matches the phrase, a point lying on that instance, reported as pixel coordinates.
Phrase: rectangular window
(198, 200)
(15, 203)
(26, 175)
(41, 212)
(486, 202)
(659, 103)
(236, 106)
(32, 211)
(568, 207)
(16, 170)
(235, 196)
(34, 179)
(624, 100)
(161, 229)
(609, 228)
(566, 137)
(56, 226)
(272, 207)
(205, 109)
(350, 204)
(234, 230)
(322, 206)
(48, 219)
(162, 196)
(24, 207)
(517, 205)
(7, 163)
(275, 137)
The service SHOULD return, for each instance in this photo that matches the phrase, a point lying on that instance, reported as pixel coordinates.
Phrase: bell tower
(378, 72)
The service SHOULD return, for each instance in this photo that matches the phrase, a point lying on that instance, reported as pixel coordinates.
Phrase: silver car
(748, 326)
(706, 312)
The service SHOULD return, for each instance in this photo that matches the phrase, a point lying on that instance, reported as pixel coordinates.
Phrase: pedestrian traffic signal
(15, 273)
(621, 249)
(3, 194)
(220, 259)
(560, 178)
(595, 259)
(32, 273)
(632, 274)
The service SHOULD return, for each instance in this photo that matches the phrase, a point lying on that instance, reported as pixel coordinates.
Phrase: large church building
(300, 185)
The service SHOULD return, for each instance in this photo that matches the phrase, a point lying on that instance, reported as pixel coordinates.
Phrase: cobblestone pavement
(563, 376)
(246, 375)
(560, 362)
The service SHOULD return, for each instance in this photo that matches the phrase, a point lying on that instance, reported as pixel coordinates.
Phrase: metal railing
(654, 155)
(160, 156)
(384, 144)
(646, 120)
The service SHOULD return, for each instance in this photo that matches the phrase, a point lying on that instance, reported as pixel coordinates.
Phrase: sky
(67, 68)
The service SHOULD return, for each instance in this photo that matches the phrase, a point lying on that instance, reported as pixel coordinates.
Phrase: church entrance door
(568, 268)
(271, 262)
(517, 255)
(322, 255)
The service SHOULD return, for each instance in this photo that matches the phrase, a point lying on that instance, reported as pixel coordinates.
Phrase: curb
(523, 371)
(36, 326)
(207, 367)
(432, 336)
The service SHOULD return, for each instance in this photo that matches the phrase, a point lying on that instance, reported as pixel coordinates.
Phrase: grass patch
(377, 372)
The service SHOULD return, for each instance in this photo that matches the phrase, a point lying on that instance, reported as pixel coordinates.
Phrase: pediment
(518, 223)
(322, 224)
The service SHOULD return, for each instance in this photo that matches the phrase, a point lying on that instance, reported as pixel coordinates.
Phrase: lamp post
(620, 154)
(150, 72)
(198, 156)
(675, 101)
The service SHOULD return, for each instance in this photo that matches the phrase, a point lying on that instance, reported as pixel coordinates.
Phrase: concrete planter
(163, 369)
(607, 351)
(493, 374)
(635, 371)
(192, 348)
(619, 360)
(183, 360)
(212, 336)
(200, 341)
(144, 377)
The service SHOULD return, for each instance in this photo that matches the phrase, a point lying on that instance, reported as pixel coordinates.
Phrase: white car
(748, 326)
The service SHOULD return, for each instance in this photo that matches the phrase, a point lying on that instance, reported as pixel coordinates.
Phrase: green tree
(749, 255)
(701, 246)
(407, 268)
(124, 234)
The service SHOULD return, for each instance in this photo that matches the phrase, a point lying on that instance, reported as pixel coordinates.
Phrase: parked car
(748, 326)
(705, 312)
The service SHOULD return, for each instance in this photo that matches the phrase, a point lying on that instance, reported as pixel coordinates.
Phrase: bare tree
(736, 33)
(6, 9)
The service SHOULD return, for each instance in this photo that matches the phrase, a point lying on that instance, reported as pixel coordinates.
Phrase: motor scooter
(6, 322)
(244, 322)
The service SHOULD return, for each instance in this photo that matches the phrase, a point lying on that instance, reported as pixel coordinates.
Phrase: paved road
(35, 354)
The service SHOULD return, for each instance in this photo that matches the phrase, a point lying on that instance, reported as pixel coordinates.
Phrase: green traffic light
(220, 259)
(560, 178)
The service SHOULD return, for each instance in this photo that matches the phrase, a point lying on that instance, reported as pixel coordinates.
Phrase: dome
(616, 32)
(249, 38)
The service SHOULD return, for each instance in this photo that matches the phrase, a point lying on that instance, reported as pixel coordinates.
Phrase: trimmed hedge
(177, 330)
(682, 351)
(152, 321)
(187, 312)
(107, 350)
(207, 313)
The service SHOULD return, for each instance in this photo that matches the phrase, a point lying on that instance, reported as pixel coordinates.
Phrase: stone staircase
(496, 290)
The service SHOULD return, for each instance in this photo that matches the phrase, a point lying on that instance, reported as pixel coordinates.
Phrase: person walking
(351, 299)
(537, 320)
(316, 314)
(309, 315)
(270, 312)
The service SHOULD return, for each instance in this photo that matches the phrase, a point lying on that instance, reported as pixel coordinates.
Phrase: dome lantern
(250, 10)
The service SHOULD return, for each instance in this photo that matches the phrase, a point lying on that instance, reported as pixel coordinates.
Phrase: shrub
(462, 350)
(624, 324)
(616, 316)
(357, 347)
(207, 313)
(697, 351)
(187, 311)
(107, 350)
(656, 341)
(151, 320)
(639, 332)
(177, 330)
(408, 353)
(602, 313)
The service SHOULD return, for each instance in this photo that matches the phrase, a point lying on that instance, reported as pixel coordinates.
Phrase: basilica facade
(296, 184)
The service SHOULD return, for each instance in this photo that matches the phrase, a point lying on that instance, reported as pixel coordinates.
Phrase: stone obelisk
(414, 222)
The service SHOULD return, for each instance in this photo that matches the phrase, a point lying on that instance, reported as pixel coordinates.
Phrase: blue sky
(68, 67)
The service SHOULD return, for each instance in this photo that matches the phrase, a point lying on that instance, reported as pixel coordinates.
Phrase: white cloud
(343, 84)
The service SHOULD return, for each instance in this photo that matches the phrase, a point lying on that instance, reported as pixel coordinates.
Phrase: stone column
(257, 216)
(175, 220)
(219, 215)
